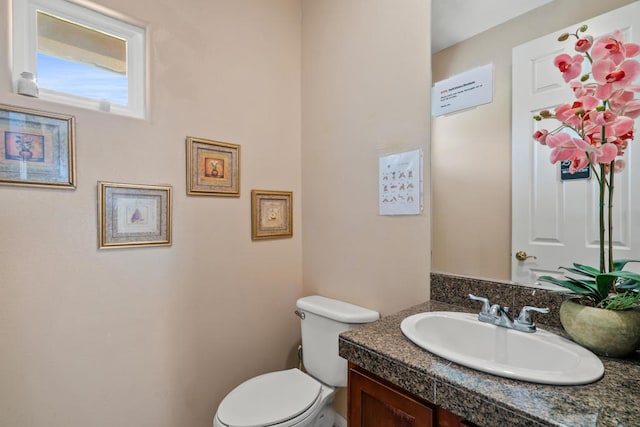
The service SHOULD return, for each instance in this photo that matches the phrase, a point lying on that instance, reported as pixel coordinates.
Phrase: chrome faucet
(500, 316)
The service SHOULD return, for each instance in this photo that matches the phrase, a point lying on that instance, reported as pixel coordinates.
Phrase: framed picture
(133, 215)
(213, 168)
(271, 214)
(36, 148)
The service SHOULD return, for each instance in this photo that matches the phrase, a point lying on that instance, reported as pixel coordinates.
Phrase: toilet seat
(274, 398)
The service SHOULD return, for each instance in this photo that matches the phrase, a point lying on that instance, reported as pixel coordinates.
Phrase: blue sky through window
(81, 79)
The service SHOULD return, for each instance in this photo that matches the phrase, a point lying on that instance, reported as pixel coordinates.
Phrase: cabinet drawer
(374, 403)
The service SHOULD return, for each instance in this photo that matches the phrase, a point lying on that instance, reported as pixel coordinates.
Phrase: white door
(552, 220)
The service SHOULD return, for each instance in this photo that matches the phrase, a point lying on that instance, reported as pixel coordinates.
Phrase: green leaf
(621, 263)
(595, 285)
(622, 274)
(628, 284)
(580, 272)
(632, 280)
(573, 285)
(586, 269)
(604, 283)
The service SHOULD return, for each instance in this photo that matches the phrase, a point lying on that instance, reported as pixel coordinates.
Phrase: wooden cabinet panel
(445, 418)
(373, 403)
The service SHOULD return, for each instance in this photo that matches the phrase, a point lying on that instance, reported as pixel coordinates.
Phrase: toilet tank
(322, 320)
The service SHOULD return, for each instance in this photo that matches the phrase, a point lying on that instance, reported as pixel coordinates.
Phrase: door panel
(557, 221)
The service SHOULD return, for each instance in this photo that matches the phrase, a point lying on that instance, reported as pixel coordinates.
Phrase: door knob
(522, 256)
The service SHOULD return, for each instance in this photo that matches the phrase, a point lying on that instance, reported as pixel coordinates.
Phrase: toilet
(293, 397)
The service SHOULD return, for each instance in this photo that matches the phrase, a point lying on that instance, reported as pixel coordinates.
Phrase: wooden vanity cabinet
(449, 419)
(374, 402)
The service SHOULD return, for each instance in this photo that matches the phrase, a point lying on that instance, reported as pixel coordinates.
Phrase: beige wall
(157, 336)
(471, 150)
(366, 76)
(365, 86)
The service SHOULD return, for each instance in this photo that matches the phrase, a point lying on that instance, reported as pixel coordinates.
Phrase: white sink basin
(540, 357)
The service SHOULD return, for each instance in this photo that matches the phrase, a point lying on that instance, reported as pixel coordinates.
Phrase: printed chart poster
(465, 90)
(401, 183)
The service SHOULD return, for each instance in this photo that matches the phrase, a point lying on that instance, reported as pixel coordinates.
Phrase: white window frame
(25, 45)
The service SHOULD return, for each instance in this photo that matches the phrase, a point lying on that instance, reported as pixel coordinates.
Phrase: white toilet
(292, 397)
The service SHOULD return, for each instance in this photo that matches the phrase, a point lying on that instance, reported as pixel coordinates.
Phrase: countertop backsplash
(456, 289)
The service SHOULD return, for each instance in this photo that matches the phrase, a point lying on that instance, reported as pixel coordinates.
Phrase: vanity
(392, 379)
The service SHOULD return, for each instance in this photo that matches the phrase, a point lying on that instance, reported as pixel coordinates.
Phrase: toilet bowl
(282, 398)
(292, 397)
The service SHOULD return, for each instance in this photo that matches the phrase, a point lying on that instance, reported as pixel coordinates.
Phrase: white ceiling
(453, 21)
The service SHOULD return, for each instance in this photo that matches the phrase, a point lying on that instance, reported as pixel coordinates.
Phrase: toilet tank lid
(337, 310)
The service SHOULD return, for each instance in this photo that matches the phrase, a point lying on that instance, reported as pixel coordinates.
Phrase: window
(81, 57)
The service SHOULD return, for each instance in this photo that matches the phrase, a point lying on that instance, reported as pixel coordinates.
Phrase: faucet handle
(496, 310)
(525, 314)
(486, 305)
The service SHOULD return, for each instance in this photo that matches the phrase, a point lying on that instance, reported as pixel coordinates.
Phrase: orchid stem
(611, 175)
(602, 189)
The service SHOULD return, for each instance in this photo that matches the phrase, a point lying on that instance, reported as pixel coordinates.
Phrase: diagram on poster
(400, 183)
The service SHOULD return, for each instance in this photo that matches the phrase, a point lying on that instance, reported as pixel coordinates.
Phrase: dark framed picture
(133, 215)
(213, 168)
(37, 148)
(271, 214)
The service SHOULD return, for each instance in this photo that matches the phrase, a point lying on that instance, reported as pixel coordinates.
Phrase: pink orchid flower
(604, 111)
(621, 141)
(580, 89)
(611, 47)
(606, 153)
(632, 50)
(625, 75)
(578, 163)
(583, 44)
(564, 147)
(623, 102)
(598, 153)
(621, 145)
(618, 165)
(622, 126)
(601, 118)
(566, 114)
(611, 78)
(604, 91)
(601, 69)
(617, 129)
(627, 108)
(619, 99)
(570, 113)
(569, 66)
(541, 136)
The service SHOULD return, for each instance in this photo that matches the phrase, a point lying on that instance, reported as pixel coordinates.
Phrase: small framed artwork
(271, 214)
(133, 215)
(213, 168)
(37, 148)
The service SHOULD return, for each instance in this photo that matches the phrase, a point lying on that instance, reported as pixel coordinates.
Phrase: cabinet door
(373, 403)
(449, 419)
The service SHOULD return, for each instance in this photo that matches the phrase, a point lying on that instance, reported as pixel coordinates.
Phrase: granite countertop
(485, 399)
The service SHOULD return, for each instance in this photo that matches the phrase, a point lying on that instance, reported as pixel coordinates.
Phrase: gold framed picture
(213, 168)
(271, 214)
(37, 148)
(133, 215)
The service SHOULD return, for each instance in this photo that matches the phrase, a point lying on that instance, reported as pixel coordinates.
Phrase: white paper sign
(465, 90)
(401, 183)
